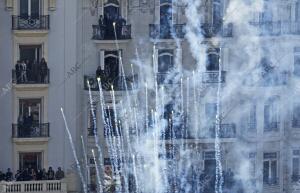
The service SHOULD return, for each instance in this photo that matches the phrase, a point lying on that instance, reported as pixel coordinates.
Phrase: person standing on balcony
(101, 27)
(39, 175)
(28, 120)
(59, 174)
(18, 68)
(50, 174)
(23, 72)
(8, 175)
(44, 174)
(43, 70)
(28, 70)
(18, 176)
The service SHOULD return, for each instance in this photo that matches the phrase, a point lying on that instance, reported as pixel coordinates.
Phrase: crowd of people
(30, 174)
(27, 71)
(108, 23)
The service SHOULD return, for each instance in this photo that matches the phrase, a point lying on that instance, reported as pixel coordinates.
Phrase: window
(249, 120)
(31, 8)
(267, 15)
(30, 160)
(252, 164)
(165, 60)
(113, 126)
(165, 13)
(213, 59)
(297, 61)
(270, 170)
(211, 112)
(271, 115)
(216, 13)
(296, 165)
(30, 111)
(296, 116)
(297, 11)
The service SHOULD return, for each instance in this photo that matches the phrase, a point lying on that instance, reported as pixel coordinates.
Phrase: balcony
(106, 33)
(226, 131)
(268, 79)
(157, 31)
(271, 181)
(295, 178)
(41, 22)
(271, 127)
(213, 77)
(277, 28)
(167, 78)
(296, 123)
(119, 83)
(209, 30)
(30, 77)
(92, 132)
(30, 131)
(33, 186)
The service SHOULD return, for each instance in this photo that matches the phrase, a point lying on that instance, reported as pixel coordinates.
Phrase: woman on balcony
(43, 70)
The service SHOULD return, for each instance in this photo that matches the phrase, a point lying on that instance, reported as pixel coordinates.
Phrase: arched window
(165, 60)
(111, 64)
(112, 9)
(165, 17)
(213, 57)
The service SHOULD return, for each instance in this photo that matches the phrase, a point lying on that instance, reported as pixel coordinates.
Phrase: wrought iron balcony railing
(268, 79)
(31, 77)
(271, 181)
(226, 131)
(157, 31)
(30, 130)
(109, 33)
(209, 30)
(296, 123)
(277, 28)
(213, 77)
(25, 22)
(92, 131)
(167, 78)
(271, 126)
(119, 83)
(295, 178)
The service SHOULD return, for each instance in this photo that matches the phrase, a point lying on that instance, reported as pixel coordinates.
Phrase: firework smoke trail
(100, 189)
(85, 160)
(219, 167)
(74, 152)
(96, 136)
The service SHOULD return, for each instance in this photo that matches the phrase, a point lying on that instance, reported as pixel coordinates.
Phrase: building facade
(212, 77)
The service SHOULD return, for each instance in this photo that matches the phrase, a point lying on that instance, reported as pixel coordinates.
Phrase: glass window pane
(23, 8)
(266, 171)
(35, 8)
(273, 170)
(296, 166)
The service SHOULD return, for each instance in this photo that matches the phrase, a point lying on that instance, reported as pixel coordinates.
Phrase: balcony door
(31, 108)
(30, 160)
(31, 8)
(210, 170)
(111, 65)
(30, 52)
(165, 17)
(213, 59)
